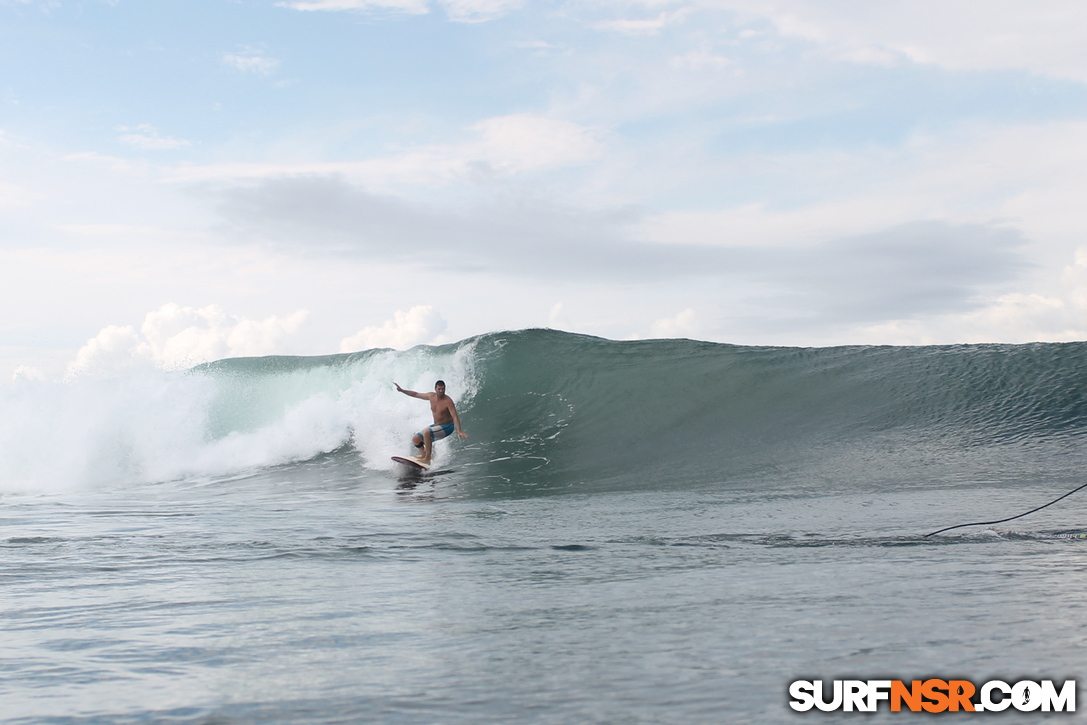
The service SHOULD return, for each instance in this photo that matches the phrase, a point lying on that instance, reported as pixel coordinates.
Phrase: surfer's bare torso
(442, 407)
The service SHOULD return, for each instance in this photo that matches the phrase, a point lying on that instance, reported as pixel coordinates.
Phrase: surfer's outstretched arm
(412, 393)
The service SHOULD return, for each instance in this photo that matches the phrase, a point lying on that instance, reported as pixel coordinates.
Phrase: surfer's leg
(428, 439)
(417, 441)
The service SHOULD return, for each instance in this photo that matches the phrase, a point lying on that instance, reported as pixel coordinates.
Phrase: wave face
(553, 411)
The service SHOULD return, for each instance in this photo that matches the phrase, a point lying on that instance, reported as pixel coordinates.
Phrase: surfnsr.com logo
(934, 695)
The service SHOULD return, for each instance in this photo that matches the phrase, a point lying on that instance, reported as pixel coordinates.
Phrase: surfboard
(413, 462)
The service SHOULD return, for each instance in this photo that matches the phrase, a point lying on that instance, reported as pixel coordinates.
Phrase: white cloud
(557, 319)
(518, 143)
(45, 5)
(182, 336)
(112, 351)
(251, 60)
(474, 11)
(761, 225)
(175, 337)
(524, 142)
(113, 163)
(685, 324)
(1012, 318)
(1043, 36)
(114, 231)
(15, 195)
(871, 55)
(464, 11)
(1033, 176)
(643, 26)
(700, 60)
(534, 44)
(28, 373)
(145, 137)
(1057, 314)
(419, 325)
(412, 7)
(1031, 315)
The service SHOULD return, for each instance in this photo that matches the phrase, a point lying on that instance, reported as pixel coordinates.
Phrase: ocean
(661, 531)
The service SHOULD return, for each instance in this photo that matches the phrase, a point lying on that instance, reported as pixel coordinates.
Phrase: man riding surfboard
(446, 420)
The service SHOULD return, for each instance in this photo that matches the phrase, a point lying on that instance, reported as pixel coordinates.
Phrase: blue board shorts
(438, 431)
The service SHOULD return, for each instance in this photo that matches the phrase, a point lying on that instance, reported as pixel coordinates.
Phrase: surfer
(446, 420)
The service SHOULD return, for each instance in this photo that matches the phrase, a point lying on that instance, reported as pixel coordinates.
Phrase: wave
(548, 410)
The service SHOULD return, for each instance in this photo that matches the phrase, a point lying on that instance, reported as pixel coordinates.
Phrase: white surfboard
(412, 462)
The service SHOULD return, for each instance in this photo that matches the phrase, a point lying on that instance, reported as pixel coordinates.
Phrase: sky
(185, 181)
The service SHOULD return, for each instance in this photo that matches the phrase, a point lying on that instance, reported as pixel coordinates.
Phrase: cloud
(915, 269)
(903, 271)
(46, 6)
(1042, 36)
(113, 351)
(685, 324)
(251, 60)
(1032, 173)
(1060, 314)
(183, 336)
(12, 195)
(145, 137)
(504, 145)
(1012, 318)
(28, 373)
(475, 11)
(556, 319)
(700, 60)
(524, 141)
(174, 337)
(329, 216)
(464, 11)
(529, 44)
(643, 26)
(413, 7)
(419, 325)
(113, 163)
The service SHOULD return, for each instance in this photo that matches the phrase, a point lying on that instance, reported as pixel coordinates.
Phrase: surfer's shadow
(417, 491)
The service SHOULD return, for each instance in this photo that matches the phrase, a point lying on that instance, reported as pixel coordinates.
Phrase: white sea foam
(153, 425)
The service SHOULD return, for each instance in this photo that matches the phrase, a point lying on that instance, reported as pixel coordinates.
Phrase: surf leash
(1010, 518)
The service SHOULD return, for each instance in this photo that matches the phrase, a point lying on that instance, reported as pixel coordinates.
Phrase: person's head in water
(439, 387)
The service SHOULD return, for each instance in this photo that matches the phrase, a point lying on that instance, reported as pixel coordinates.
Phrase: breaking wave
(549, 410)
